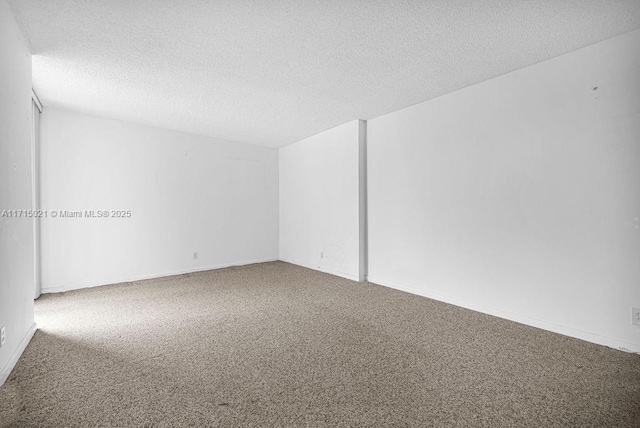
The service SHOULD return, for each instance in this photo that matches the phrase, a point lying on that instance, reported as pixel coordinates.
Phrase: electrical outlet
(635, 316)
(195, 256)
(3, 336)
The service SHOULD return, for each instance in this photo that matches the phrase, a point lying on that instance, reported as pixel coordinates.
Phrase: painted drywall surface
(186, 194)
(16, 234)
(362, 198)
(319, 202)
(519, 196)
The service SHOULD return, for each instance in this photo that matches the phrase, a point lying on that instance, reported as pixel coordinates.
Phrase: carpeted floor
(278, 345)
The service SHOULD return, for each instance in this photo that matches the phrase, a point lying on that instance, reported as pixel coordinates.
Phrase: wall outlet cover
(3, 336)
(635, 316)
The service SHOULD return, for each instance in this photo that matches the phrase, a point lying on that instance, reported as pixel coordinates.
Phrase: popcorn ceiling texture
(274, 72)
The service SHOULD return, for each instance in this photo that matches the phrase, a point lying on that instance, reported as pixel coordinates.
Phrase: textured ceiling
(274, 72)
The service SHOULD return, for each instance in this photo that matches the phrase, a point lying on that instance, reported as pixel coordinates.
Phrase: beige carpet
(278, 345)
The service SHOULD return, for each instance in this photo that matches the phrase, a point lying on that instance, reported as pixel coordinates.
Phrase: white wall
(186, 194)
(321, 211)
(16, 234)
(519, 196)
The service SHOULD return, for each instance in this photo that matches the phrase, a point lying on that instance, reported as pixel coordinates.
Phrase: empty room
(320, 214)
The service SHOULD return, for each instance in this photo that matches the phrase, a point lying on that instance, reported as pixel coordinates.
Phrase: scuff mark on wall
(333, 258)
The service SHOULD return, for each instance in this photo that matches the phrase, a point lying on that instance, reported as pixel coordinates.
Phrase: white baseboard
(6, 370)
(62, 289)
(319, 269)
(555, 328)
